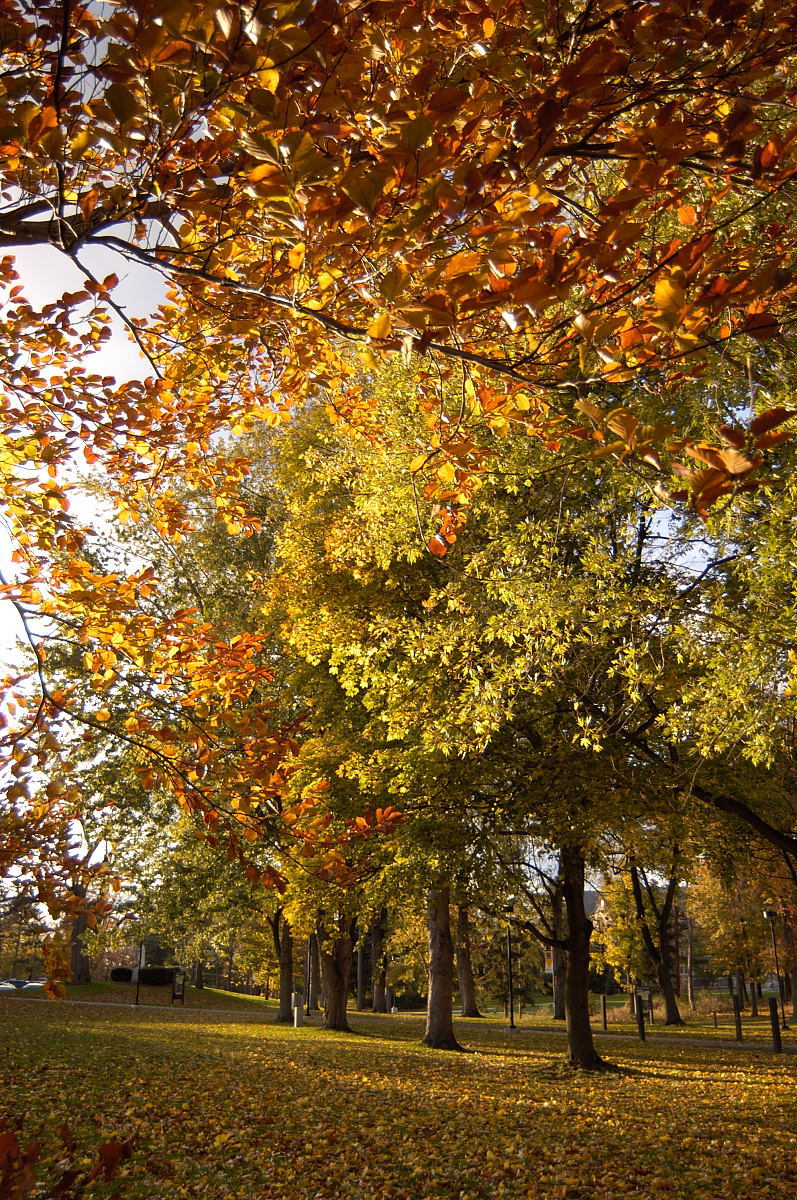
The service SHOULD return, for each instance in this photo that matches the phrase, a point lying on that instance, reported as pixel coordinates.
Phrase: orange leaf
(381, 326)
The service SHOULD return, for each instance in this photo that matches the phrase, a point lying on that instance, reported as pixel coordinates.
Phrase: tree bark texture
(581, 1050)
(379, 969)
(360, 977)
(467, 986)
(315, 974)
(439, 1018)
(558, 962)
(79, 961)
(336, 953)
(283, 945)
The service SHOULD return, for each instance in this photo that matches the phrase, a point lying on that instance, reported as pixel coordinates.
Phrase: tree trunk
(580, 1045)
(360, 977)
(230, 961)
(283, 945)
(690, 963)
(467, 986)
(753, 998)
(198, 974)
(672, 1014)
(379, 970)
(78, 959)
(660, 950)
(558, 962)
(315, 974)
(793, 978)
(675, 972)
(336, 957)
(439, 1018)
(740, 989)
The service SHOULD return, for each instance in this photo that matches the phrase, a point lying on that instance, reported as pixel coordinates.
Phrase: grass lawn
(226, 1108)
(202, 998)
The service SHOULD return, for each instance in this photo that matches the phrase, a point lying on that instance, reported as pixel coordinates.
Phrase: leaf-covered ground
(227, 1108)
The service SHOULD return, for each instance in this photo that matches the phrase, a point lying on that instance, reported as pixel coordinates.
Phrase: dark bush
(121, 974)
(156, 976)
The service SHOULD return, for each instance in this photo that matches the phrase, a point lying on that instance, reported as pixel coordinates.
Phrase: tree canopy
(569, 221)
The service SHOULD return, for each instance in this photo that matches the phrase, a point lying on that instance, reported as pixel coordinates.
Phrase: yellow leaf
(381, 326)
(669, 296)
(269, 79)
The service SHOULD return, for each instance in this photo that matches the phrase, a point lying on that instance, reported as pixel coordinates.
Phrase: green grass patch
(225, 1108)
(159, 997)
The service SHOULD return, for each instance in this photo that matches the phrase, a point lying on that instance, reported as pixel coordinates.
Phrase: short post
(603, 1014)
(640, 1018)
(777, 1042)
(737, 1017)
(714, 1014)
(650, 1006)
(298, 1013)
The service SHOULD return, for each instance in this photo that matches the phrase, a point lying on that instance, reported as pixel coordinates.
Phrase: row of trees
(472, 626)
(552, 700)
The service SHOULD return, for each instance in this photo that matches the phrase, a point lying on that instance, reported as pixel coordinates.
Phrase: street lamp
(769, 915)
(508, 909)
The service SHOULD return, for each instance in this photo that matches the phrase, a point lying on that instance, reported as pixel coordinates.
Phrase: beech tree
(569, 212)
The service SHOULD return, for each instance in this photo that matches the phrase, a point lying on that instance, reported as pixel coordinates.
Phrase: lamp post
(770, 916)
(509, 908)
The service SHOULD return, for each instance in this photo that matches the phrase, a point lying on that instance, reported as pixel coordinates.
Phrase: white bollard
(298, 1016)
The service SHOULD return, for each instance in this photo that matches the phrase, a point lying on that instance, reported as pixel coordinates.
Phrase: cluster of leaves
(18, 1170)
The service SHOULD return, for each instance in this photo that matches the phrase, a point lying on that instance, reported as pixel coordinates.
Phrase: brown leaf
(733, 434)
(771, 419)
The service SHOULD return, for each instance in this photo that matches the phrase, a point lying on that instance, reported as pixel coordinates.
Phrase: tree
(728, 904)
(575, 205)
(467, 986)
